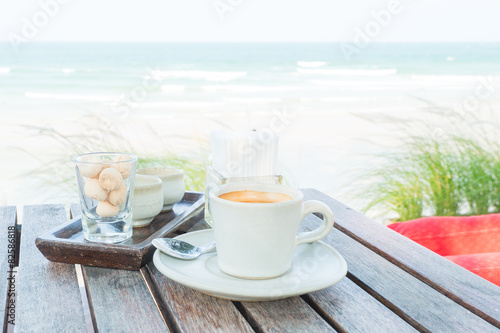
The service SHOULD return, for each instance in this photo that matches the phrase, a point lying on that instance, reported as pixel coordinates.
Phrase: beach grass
(439, 177)
(395, 187)
(53, 178)
(193, 167)
(479, 168)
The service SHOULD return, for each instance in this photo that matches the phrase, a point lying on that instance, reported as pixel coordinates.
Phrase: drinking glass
(105, 186)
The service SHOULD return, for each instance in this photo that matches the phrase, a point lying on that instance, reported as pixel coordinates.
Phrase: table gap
(81, 276)
(313, 305)
(387, 304)
(248, 317)
(18, 243)
(419, 276)
(165, 313)
(19, 213)
(88, 307)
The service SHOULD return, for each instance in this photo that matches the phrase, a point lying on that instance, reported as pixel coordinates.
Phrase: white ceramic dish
(315, 266)
(148, 200)
(172, 182)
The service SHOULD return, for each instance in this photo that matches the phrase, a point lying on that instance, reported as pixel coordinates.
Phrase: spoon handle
(207, 247)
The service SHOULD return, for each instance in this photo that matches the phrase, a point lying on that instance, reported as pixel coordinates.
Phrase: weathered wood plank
(346, 306)
(474, 293)
(416, 302)
(350, 307)
(67, 244)
(287, 315)
(88, 309)
(7, 263)
(191, 311)
(48, 297)
(188, 310)
(120, 299)
(122, 302)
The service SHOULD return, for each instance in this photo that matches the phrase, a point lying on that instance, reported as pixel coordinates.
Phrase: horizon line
(260, 42)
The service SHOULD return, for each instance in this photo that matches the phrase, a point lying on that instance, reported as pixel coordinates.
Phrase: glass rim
(133, 157)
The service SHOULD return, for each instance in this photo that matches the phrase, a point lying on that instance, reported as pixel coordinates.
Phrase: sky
(250, 20)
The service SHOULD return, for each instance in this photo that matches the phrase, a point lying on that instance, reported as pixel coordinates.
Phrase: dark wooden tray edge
(110, 255)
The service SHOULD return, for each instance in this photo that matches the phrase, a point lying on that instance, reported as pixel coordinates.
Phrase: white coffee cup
(148, 200)
(173, 184)
(258, 240)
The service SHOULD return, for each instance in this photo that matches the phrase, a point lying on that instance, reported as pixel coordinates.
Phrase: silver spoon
(180, 249)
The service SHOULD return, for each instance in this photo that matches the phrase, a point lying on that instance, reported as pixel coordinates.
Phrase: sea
(332, 110)
(201, 76)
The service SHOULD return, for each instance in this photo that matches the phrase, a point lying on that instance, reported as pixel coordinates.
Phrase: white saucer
(315, 266)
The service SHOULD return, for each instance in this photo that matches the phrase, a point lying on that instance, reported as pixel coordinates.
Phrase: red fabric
(486, 265)
(452, 235)
(472, 242)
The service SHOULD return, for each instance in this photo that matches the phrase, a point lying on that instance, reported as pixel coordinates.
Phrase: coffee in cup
(255, 196)
(256, 227)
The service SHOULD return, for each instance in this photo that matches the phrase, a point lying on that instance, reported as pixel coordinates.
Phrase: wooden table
(393, 285)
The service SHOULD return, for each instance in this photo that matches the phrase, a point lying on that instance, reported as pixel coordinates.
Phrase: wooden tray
(66, 243)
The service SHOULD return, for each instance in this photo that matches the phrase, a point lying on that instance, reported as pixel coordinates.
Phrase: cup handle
(314, 206)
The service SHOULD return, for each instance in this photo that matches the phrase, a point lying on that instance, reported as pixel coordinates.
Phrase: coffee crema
(255, 196)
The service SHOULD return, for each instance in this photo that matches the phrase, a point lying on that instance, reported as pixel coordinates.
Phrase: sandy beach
(318, 149)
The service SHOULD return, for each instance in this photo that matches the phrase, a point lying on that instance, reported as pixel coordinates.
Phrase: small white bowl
(148, 200)
(173, 184)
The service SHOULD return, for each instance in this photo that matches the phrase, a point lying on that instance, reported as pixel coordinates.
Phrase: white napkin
(245, 154)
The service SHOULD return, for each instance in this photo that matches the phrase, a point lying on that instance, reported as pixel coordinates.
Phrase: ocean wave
(201, 75)
(449, 78)
(412, 81)
(375, 85)
(243, 89)
(311, 64)
(252, 100)
(349, 72)
(371, 83)
(182, 105)
(4, 70)
(100, 98)
(338, 99)
(66, 70)
(344, 83)
(172, 88)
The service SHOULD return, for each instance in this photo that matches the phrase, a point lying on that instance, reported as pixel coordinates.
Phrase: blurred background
(387, 106)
